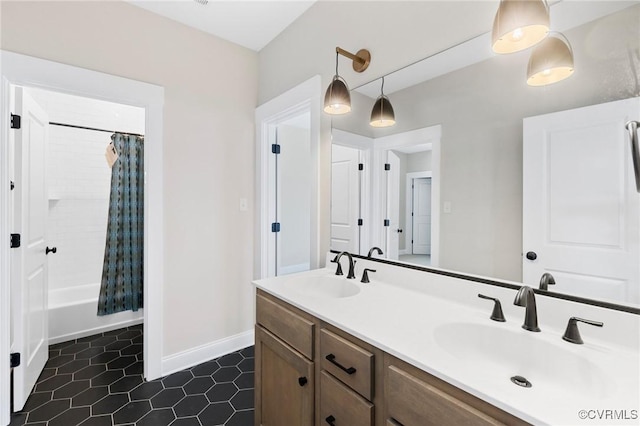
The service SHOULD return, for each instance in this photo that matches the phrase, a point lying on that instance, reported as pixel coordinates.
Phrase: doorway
(419, 214)
(62, 188)
(282, 185)
(399, 158)
(21, 70)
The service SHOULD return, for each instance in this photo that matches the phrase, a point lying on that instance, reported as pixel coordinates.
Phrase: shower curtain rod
(92, 128)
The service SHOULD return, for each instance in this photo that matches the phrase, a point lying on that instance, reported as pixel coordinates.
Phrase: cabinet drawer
(414, 402)
(288, 326)
(341, 406)
(348, 362)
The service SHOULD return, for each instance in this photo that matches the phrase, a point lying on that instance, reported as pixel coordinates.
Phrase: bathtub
(73, 314)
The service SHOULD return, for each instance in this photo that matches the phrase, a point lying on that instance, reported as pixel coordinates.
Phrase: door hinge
(360, 166)
(12, 185)
(275, 227)
(387, 166)
(386, 222)
(359, 222)
(15, 121)
(15, 240)
(275, 148)
(15, 360)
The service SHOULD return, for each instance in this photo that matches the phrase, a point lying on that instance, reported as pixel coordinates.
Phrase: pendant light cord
(337, 63)
(382, 88)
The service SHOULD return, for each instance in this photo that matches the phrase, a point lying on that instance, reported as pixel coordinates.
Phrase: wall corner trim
(206, 352)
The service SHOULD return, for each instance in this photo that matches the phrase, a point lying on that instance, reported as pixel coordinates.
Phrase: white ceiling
(251, 24)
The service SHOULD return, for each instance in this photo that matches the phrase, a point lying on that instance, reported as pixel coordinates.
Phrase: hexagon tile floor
(97, 381)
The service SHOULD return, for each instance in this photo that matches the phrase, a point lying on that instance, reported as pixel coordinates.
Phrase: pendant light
(519, 24)
(551, 61)
(337, 99)
(382, 114)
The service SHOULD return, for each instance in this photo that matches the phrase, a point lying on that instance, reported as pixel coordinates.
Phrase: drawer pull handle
(332, 359)
(302, 381)
(331, 420)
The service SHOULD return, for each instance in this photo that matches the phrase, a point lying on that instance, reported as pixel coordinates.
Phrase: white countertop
(407, 321)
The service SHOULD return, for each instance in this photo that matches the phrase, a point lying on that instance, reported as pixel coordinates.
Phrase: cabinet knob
(330, 420)
(302, 381)
(50, 250)
(531, 255)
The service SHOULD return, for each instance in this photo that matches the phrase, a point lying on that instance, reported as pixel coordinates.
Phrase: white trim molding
(21, 70)
(206, 352)
(305, 97)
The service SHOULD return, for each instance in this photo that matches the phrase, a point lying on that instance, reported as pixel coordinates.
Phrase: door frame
(409, 208)
(303, 98)
(22, 70)
(426, 135)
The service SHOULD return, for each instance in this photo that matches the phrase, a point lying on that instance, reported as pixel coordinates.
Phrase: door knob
(302, 381)
(50, 250)
(531, 255)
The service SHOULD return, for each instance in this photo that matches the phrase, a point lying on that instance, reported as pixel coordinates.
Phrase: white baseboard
(292, 269)
(203, 353)
(96, 330)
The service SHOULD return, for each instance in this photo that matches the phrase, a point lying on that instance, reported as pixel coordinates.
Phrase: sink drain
(521, 381)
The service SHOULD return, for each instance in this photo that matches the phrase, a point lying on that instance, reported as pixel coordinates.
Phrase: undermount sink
(500, 354)
(330, 286)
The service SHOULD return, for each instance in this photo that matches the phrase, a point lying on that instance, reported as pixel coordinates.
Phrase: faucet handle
(365, 275)
(546, 280)
(339, 268)
(572, 334)
(497, 314)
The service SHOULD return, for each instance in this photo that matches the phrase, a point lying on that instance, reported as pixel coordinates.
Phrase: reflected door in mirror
(580, 209)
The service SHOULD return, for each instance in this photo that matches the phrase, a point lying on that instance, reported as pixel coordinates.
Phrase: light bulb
(517, 34)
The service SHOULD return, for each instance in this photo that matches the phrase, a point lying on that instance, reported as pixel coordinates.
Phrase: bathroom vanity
(418, 348)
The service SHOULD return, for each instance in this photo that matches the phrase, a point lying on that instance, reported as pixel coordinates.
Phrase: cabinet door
(284, 383)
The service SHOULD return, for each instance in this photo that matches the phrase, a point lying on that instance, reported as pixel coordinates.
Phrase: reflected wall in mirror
(515, 170)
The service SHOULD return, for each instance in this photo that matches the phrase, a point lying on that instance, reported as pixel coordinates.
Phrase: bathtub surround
(97, 381)
(122, 271)
(72, 314)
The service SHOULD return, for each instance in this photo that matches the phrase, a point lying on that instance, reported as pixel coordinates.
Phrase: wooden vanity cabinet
(284, 368)
(416, 398)
(297, 385)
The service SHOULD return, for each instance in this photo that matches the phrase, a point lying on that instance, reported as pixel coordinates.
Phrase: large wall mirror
(485, 175)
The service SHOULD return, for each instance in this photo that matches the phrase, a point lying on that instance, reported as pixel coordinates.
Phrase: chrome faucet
(351, 273)
(546, 280)
(377, 249)
(527, 298)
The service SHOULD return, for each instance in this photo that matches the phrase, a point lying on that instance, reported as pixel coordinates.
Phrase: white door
(345, 199)
(580, 205)
(421, 215)
(293, 182)
(393, 205)
(29, 263)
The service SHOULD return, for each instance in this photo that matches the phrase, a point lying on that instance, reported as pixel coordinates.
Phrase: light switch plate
(446, 206)
(243, 204)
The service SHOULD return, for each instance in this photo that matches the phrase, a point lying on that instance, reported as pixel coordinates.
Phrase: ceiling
(252, 24)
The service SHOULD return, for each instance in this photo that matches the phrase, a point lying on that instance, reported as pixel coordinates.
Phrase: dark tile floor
(97, 381)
